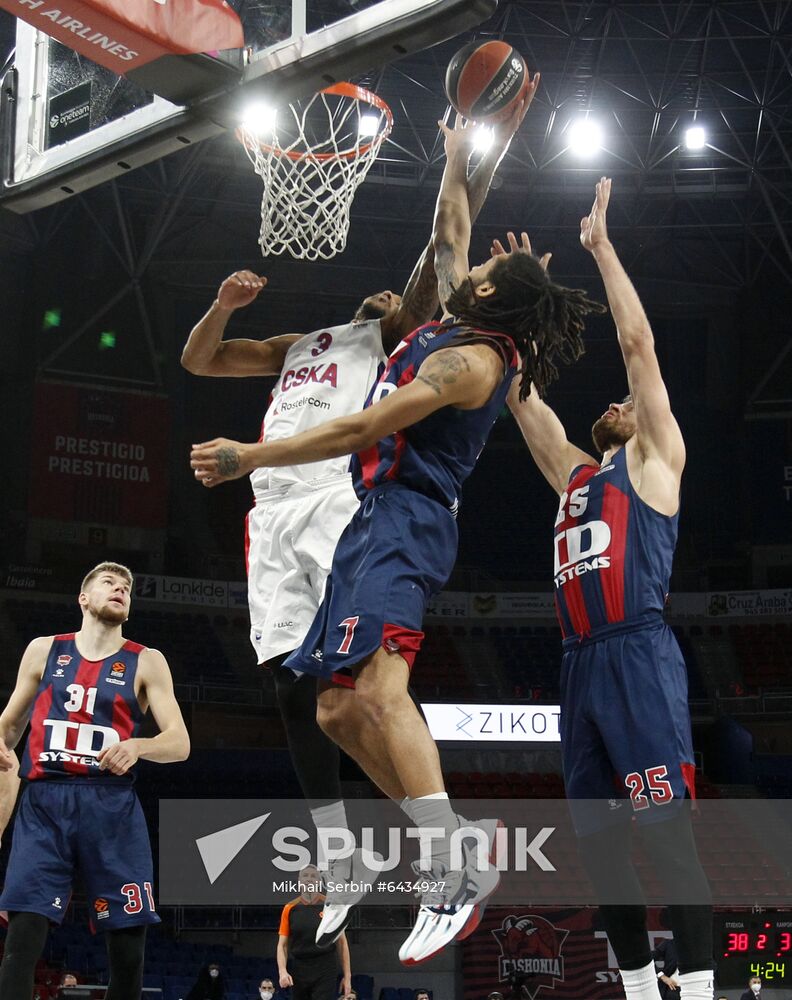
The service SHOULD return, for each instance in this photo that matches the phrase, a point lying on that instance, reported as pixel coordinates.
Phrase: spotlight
(368, 126)
(585, 137)
(483, 139)
(695, 137)
(259, 119)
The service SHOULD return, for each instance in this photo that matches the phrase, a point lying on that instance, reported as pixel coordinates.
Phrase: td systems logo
(530, 953)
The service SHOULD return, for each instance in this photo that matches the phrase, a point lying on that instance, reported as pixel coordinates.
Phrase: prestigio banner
(99, 456)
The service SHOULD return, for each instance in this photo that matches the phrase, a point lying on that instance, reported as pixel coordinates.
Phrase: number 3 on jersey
(323, 341)
(349, 624)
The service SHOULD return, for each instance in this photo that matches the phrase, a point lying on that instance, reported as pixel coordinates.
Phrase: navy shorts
(625, 726)
(65, 829)
(394, 555)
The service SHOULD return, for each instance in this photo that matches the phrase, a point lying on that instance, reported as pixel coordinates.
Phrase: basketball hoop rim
(343, 89)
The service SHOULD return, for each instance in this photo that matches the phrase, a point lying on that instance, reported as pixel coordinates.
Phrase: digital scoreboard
(752, 944)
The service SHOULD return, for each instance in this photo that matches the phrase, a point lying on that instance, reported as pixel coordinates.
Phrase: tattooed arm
(451, 235)
(420, 297)
(464, 377)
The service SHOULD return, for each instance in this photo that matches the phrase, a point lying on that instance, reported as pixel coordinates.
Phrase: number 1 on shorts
(350, 624)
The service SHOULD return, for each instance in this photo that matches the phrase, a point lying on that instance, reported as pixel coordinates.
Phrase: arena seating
(189, 640)
(764, 653)
(171, 966)
(459, 660)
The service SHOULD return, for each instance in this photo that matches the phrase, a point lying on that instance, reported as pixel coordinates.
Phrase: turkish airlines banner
(99, 456)
(122, 36)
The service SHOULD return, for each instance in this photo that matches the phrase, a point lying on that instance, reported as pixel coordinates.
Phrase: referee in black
(312, 971)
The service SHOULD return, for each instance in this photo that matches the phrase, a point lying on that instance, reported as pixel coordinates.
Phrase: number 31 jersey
(81, 708)
(325, 374)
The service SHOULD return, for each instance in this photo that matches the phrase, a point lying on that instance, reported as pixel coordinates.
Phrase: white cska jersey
(326, 374)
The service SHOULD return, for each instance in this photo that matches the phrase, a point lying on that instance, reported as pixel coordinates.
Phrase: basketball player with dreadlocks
(427, 420)
(301, 510)
(624, 708)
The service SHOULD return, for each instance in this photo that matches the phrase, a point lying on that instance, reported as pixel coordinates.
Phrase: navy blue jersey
(82, 706)
(437, 454)
(613, 552)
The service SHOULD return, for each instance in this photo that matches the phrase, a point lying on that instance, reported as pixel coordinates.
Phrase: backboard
(68, 123)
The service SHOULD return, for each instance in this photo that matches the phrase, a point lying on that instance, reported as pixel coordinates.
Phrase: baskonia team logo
(530, 953)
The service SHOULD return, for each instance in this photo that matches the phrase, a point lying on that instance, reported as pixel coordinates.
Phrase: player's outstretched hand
(118, 758)
(460, 139)
(594, 227)
(219, 461)
(7, 758)
(240, 289)
(524, 246)
(504, 130)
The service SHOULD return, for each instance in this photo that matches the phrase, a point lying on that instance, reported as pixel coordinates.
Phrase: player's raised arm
(420, 298)
(543, 432)
(657, 432)
(172, 742)
(546, 438)
(451, 234)
(455, 376)
(206, 353)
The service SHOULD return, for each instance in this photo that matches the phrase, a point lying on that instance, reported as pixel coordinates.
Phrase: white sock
(435, 811)
(696, 985)
(406, 807)
(330, 817)
(640, 984)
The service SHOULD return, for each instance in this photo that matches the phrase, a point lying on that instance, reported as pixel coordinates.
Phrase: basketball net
(312, 159)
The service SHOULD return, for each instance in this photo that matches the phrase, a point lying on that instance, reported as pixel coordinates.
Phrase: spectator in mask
(754, 991)
(209, 985)
(266, 989)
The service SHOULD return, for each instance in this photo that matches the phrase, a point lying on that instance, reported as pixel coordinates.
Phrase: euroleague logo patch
(117, 672)
(530, 947)
(101, 908)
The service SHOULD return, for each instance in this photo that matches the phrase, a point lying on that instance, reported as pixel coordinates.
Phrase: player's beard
(608, 434)
(110, 614)
(369, 310)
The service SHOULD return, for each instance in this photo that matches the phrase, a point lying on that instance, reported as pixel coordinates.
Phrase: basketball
(485, 79)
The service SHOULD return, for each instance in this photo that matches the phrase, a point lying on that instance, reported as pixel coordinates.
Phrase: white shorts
(290, 544)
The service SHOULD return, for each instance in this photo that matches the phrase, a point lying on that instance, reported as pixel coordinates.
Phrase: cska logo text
(321, 374)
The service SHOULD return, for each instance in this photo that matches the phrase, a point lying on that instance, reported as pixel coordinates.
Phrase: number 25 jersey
(612, 551)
